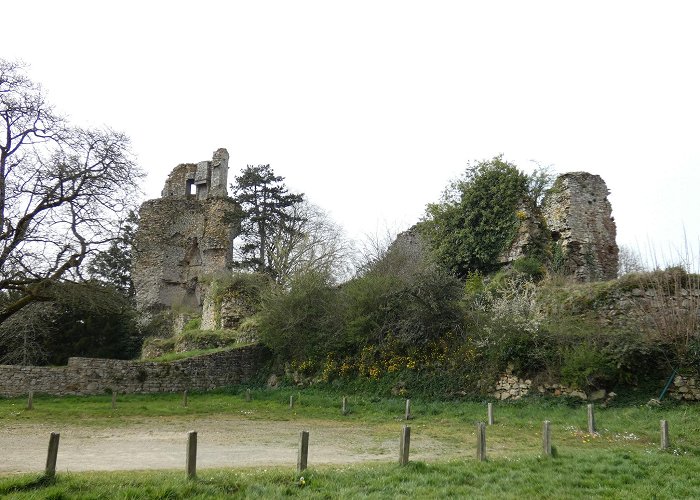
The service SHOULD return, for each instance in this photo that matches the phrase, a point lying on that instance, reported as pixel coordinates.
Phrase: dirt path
(222, 442)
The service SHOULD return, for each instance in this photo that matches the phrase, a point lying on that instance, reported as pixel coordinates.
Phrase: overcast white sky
(371, 107)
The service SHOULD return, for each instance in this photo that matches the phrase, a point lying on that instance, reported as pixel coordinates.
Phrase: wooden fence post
(191, 458)
(247, 395)
(547, 438)
(481, 441)
(345, 405)
(303, 455)
(291, 402)
(53, 453)
(490, 413)
(30, 400)
(591, 419)
(665, 443)
(404, 445)
(408, 410)
(184, 398)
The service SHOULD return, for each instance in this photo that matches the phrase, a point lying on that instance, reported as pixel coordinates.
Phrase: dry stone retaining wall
(509, 386)
(83, 376)
(685, 387)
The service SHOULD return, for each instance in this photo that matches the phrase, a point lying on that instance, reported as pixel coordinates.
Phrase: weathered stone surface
(597, 395)
(528, 236)
(95, 376)
(578, 214)
(183, 237)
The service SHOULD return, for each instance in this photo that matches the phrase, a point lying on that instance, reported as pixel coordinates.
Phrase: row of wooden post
(407, 414)
(344, 407)
(303, 452)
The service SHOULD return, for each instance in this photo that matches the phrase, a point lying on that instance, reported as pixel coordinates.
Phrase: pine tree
(265, 210)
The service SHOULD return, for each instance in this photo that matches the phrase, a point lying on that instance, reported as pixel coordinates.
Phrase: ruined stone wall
(83, 376)
(200, 180)
(579, 216)
(183, 237)
(179, 241)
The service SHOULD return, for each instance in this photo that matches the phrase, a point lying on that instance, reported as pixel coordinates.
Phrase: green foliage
(81, 319)
(246, 288)
(474, 284)
(365, 301)
(265, 203)
(189, 341)
(416, 311)
(558, 260)
(476, 221)
(305, 322)
(531, 267)
(586, 367)
(174, 356)
(113, 265)
(193, 324)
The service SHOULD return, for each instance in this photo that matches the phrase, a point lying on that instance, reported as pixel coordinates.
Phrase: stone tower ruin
(579, 216)
(183, 236)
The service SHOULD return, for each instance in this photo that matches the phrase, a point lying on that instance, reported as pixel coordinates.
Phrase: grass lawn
(622, 460)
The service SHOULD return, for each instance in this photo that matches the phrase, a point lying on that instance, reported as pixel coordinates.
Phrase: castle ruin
(183, 236)
(579, 217)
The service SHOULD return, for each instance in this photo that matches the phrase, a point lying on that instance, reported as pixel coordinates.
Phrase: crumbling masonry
(183, 236)
(579, 217)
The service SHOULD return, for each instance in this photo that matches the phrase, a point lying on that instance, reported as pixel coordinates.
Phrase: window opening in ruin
(191, 187)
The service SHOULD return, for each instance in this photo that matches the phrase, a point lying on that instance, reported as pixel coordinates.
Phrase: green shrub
(193, 324)
(304, 323)
(531, 267)
(585, 366)
(476, 221)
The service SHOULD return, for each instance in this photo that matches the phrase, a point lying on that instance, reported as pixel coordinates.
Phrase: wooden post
(404, 445)
(191, 459)
(53, 453)
(247, 395)
(114, 399)
(408, 410)
(665, 443)
(345, 405)
(30, 401)
(490, 413)
(481, 441)
(291, 402)
(303, 455)
(591, 419)
(547, 438)
(184, 398)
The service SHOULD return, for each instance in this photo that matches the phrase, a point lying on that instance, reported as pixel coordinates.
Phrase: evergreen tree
(113, 265)
(265, 210)
(477, 218)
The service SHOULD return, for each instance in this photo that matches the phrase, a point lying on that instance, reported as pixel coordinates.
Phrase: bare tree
(629, 261)
(668, 311)
(402, 255)
(62, 190)
(22, 336)
(314, 242)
